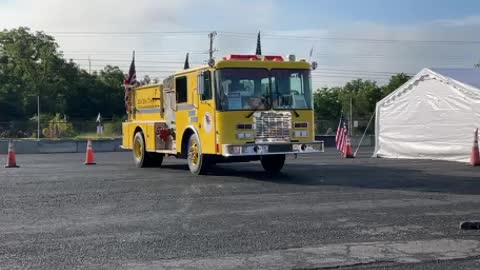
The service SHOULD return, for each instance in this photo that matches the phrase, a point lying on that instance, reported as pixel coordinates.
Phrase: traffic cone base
(11, 160)
(475, 156)
(90, 157)
(348, 151)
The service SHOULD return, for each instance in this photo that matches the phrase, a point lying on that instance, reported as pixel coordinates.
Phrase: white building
(432, 116)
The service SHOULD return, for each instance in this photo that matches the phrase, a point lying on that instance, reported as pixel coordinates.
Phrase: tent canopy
(432, 116)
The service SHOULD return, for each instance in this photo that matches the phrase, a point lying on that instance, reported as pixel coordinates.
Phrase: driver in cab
(255, 102)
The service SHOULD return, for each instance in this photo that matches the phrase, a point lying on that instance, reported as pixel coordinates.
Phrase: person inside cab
(256, 101)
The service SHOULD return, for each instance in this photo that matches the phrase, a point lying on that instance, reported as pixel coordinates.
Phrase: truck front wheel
(273, 164)
(198, 163)
(141, 157)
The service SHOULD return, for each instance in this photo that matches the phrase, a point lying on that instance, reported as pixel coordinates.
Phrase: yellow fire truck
(241, 108)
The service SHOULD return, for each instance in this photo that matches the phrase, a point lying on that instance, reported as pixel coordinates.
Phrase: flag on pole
(129, 82)
(132, 73)
(342, 134)
(186, 65)
(259, 45)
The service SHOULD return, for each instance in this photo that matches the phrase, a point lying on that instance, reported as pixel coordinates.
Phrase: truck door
(206, 112)
(169, 105)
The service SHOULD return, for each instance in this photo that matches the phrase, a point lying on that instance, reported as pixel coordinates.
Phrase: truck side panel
(183, 115)
(196, 114)
(126, 135)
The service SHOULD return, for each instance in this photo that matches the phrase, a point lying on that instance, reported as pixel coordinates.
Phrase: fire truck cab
(241, 108)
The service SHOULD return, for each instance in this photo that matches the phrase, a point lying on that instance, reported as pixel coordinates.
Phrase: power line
(248, 35)
(357, 71)
(317, 73)
(127, 61)
(244, 35)
(129, 32)
(79, 54)
(314, 73)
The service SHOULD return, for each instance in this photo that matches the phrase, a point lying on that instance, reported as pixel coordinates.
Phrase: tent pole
(364, 133)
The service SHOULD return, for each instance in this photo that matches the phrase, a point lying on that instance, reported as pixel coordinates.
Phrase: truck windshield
(250, 89)
(242, 89)
(291, 89)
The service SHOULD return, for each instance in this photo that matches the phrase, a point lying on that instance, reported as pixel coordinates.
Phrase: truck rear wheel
(141, 157)
(198, 163)
(273, 164)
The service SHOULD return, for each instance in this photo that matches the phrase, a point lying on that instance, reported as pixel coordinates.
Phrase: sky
(369, 39)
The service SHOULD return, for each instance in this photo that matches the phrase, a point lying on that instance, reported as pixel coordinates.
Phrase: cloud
(59, 15)
(374, 49)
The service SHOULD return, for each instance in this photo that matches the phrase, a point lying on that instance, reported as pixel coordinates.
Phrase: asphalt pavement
(322, 212)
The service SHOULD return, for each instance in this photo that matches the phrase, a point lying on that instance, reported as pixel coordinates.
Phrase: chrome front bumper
(240, 150)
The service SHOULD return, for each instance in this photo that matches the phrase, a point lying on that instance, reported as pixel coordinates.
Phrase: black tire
(141, 157)
(273, 164)
(198, 163)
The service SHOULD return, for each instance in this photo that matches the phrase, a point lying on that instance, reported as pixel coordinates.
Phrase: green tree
(31, 65)
(326, 102)
(395, 82)
(364, 95)
(361, 94)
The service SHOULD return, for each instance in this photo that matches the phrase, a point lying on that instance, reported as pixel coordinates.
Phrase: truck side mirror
(200, 84)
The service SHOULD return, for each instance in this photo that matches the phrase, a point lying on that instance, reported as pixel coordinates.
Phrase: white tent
(432, 116)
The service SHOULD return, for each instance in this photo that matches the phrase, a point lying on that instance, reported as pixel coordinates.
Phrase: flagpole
(259, 45)
(351, 116)
(364, 133)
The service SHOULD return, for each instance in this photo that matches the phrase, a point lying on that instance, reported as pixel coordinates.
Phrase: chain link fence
(328, 127)
(61, 129)
(112, 128)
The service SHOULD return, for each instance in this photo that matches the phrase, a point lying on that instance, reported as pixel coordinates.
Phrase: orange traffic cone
(90, 157)
(348, 151)
(11, 161)
(475, 157)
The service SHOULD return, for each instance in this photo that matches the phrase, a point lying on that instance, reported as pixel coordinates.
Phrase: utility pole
(89, 65)
(211, 36)
(38, 118)
(351, 116)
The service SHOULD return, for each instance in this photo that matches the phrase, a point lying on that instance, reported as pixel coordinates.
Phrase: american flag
(129, 82)
(132, 74)
(342, 134)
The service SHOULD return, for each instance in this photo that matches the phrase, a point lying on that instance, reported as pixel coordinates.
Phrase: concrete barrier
(61, 146)
(47, 147)
(113, 145)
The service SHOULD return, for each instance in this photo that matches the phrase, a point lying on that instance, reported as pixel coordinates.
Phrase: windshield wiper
(264, 102)
(291, 107)
(295, 111)
(251, 113)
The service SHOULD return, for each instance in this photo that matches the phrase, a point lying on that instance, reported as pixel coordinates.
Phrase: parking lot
(323, 211)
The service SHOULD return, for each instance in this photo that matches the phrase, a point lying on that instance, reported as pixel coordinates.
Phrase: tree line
(360, 96)
(32, 65)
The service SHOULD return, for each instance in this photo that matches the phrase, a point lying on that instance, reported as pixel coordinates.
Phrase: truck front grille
(272, 126)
